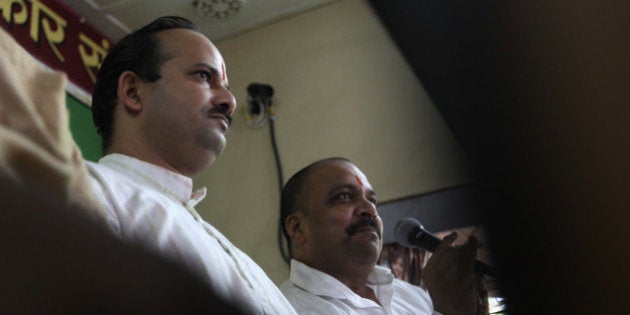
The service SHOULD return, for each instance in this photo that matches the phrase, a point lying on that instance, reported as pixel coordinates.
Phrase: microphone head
(404, 228)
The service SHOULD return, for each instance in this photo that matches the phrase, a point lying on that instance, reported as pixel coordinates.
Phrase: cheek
(192, 103)
(185, 91)
(164, 99)
(330, 224)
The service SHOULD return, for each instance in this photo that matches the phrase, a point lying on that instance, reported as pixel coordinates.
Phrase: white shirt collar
(323, 284)
(174, 185)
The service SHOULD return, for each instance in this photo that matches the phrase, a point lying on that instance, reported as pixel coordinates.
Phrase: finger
(445, 256)
(471, 248)
(468, 256)
(446, 242)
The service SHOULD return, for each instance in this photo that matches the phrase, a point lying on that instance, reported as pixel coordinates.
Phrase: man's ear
(128, 91)
(294, 226)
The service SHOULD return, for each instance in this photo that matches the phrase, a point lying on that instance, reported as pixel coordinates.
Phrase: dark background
(536, 94)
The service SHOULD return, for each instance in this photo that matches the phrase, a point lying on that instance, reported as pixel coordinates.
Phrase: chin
(214, 144)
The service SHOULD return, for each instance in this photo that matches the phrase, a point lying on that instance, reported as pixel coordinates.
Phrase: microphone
(410, 233)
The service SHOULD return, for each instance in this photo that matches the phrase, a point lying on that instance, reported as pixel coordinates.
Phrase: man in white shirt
(163, 107)
(334, 231)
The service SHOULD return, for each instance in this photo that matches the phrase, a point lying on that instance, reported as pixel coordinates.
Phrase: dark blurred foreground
(55, 261)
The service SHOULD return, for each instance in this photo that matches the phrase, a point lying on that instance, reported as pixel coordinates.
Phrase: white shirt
(152, 206)
(311, 291)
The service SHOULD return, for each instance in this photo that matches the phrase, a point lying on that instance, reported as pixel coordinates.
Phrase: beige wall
(341, 89)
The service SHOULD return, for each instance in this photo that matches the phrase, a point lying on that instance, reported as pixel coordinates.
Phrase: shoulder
(127, 201)
(115, 182)
(103, 177)
(102, 180)
(110, 186)
(102, 172)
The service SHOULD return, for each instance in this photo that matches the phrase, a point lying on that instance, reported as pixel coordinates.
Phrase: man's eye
(204, 75)
(344, 196)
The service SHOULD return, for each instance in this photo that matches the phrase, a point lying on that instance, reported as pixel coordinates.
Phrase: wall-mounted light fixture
(218, 9)
(258, 109)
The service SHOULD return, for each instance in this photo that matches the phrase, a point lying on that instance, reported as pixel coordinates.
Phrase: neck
(138, 153)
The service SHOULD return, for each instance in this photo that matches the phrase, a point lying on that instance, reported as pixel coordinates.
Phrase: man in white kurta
(163, 108)
(334, 233)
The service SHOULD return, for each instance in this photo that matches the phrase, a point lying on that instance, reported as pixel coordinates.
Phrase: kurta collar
(176, 186)
(323, 284)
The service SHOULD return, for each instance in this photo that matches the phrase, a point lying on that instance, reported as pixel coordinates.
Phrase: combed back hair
(138, 52)
(292, 197)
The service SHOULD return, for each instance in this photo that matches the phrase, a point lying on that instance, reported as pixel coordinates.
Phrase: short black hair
(292, 197)
(138, 52)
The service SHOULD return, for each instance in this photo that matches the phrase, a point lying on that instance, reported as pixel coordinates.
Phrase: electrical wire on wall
(258, 111)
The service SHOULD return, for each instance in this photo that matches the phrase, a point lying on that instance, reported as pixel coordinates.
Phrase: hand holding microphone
(410, 233)
(449, 275)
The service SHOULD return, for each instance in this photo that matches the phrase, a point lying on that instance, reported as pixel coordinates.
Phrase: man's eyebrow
(350, 186)
(214, 71)
(336, 188)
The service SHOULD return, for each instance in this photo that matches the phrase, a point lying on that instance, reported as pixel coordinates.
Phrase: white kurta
(151, 206)
(311, 291)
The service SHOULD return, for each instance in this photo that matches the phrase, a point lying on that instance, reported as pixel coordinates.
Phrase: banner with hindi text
(59, 38)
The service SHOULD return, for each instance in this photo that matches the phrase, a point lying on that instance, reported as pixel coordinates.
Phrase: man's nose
(226, 101)
(367, 208)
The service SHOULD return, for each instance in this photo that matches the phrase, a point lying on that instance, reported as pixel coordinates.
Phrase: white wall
(341, 89)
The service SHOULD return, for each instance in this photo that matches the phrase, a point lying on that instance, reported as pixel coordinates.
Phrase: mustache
(354, 227)
(222, 111)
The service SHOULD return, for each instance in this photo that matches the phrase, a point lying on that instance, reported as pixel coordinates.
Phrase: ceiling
(217, 19)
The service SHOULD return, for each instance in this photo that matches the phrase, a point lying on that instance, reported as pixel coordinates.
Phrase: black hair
(138, 52)
(292, 197)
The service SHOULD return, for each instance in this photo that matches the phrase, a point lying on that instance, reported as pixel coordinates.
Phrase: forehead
(188, 45)
(329, 174)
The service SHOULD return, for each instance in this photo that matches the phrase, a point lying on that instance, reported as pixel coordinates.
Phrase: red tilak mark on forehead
(223, 71)
(359, 180)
